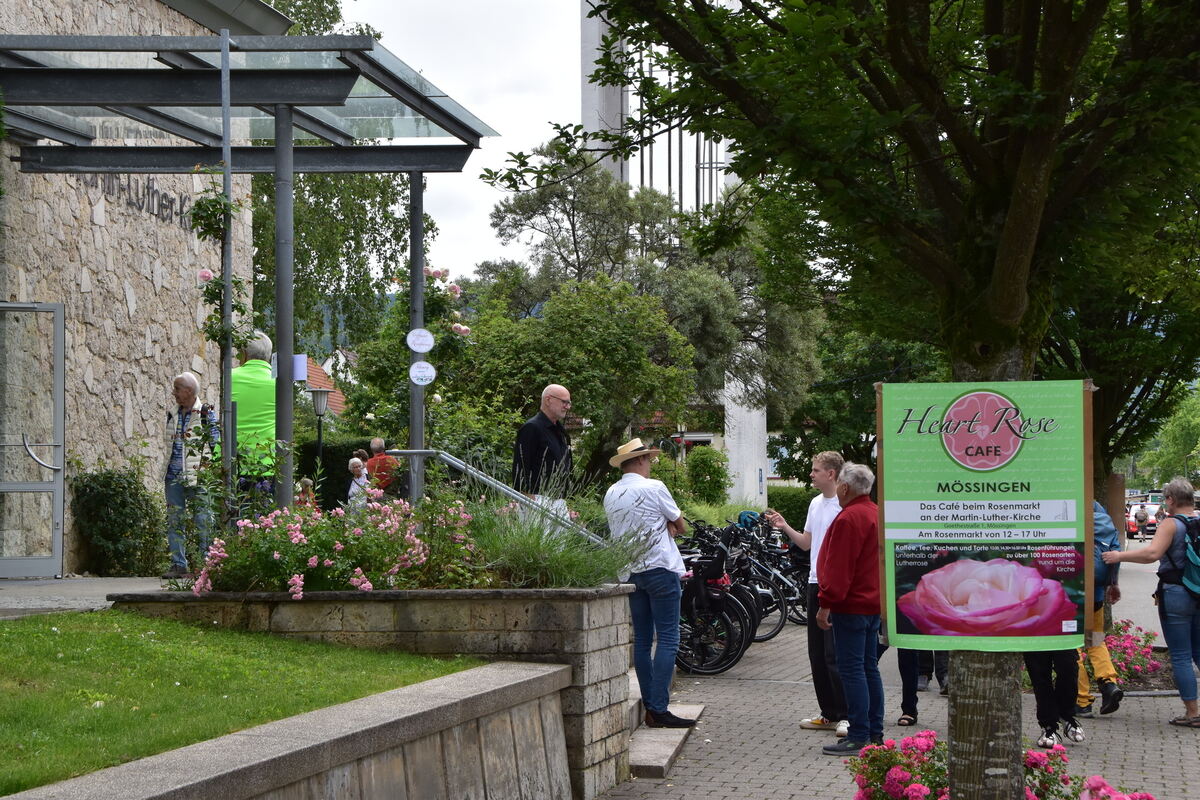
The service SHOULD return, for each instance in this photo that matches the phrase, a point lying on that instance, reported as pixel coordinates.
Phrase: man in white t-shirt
(821, 657)
(637, 505)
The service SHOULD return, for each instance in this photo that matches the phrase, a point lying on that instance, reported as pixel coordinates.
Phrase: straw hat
(632, 449)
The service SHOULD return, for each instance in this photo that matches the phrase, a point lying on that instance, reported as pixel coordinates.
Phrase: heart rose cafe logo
(1023, 595)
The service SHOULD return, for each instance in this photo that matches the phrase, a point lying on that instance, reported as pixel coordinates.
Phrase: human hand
(1111, 556)
(823, 619)
(774, 518)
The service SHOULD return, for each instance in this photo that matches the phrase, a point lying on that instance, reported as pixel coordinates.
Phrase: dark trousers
(935, 664)
(908, 662)
(1054, 695)
(822, 660)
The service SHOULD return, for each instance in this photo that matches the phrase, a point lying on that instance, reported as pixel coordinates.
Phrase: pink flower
(339, 547)
(1036, 759)
(296, 586)
(457, 327)
(328, 562)
(276, 555)
(312, 562)
(916, 791)
(466, 331)
(992, 598)
(205, 275)
(437, 273)
(428, 272)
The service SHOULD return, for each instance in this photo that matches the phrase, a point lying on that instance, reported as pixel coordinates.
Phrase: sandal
(1185, 722)
(908, 720)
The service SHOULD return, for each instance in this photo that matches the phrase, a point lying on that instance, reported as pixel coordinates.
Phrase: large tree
(960, 148)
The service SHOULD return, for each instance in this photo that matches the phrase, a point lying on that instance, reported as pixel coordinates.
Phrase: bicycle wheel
(798, 609)
(709, 642)
(772, 605)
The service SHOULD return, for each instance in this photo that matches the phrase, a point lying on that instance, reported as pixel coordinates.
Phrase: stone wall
(490, 732)
(117, 252)
(585, 628)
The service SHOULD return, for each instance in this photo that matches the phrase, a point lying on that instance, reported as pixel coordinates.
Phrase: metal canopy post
(228, 435)
(284, 243)
(416, 319)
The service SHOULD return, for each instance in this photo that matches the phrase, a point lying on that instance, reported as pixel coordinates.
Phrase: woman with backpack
(1178, 605)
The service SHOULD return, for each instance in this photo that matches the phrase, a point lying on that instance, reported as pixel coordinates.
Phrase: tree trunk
(985, 753)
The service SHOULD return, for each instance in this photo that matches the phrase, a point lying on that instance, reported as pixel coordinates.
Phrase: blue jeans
(179, 498)
(654, 610)
(1179, 615)
(855, 640)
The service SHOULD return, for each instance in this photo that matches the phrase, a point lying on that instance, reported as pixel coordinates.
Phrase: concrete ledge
(652, 751)
(285, 758)
(608, 590)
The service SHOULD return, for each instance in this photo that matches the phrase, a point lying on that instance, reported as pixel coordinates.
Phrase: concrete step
(652, 751)
(634, 710)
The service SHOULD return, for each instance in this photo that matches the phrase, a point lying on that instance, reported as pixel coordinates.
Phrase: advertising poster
(985, 504)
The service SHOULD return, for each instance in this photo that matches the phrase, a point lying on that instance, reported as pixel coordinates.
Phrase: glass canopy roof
(387, 101)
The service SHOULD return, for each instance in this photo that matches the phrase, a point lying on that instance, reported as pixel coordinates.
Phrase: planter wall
(493, 731)
(587, 629)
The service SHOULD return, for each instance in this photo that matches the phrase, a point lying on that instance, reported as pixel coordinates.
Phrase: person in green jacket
(253, 389)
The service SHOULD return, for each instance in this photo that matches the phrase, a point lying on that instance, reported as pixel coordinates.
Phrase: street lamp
(320, 401)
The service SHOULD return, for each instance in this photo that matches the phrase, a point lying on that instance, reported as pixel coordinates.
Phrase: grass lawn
(83, 691)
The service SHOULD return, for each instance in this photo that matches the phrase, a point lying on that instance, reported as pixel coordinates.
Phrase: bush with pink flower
(1132, 651)
(915, 769)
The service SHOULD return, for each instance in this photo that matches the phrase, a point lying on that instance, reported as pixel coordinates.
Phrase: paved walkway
(749, 747)
(22, 596)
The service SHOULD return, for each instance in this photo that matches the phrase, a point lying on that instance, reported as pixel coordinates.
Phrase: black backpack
(1190, 572)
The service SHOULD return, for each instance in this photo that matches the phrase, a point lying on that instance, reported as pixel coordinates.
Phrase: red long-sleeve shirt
(848, 564)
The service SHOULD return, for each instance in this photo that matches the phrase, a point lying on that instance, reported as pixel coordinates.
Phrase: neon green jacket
(253, 390)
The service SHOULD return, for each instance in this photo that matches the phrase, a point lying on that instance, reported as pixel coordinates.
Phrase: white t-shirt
(643, 506)
(821, 512)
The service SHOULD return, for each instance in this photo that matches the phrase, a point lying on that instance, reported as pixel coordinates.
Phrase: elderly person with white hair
(848, 567)
(193, 429)
(356, 495)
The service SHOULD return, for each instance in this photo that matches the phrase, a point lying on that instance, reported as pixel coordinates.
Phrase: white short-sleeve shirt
(643, 506)
(821, 512)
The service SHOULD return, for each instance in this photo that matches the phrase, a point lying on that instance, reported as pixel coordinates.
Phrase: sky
(512, 63)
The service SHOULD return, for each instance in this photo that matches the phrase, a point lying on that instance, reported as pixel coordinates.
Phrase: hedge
(792, 502)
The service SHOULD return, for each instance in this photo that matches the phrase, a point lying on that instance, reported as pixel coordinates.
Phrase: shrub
(915, 768)
(708, 474)
(675, 476)
(123, 522)
(336, 452)
(792, 502)
(1132, 651)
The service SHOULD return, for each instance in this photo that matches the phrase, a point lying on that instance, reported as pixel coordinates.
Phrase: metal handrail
(503, 488)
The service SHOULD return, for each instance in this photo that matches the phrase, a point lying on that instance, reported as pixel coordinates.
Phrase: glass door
(32, 422)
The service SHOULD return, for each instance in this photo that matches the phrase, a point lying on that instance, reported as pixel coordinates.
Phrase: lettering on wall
(141, 194)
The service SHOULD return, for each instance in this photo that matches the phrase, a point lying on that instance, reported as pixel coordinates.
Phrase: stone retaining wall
(587, 629)
(490, 732)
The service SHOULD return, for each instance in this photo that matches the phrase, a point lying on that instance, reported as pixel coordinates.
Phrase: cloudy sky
(512, 63)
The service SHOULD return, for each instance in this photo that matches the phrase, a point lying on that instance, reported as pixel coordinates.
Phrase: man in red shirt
(380, 466)
(848, 568)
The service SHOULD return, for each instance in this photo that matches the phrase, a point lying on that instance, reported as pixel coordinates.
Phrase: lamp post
(320, 401)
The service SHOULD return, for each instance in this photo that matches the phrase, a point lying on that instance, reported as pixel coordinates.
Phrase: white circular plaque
(420, 340)
(421, 373)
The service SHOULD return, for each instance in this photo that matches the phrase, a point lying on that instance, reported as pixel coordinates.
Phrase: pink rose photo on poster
(988, 598)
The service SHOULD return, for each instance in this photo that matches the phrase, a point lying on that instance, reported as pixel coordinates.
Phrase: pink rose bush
(987, 598)
(1132, 651)
(915, 769)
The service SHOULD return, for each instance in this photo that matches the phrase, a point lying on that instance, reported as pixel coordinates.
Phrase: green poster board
(985, 515)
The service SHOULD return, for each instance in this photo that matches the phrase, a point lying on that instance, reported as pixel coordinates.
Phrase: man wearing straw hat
(637, 505)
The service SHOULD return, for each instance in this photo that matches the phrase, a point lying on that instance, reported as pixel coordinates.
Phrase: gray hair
(259, 347)
(858, 478)
(1181, 491)
(354, 461)
(189, 380)
(377, 445)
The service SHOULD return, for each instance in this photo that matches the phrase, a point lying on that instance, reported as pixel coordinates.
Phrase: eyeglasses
(566, 403)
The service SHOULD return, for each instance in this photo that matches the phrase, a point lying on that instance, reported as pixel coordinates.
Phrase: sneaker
(665, 719)
(818, 723)
(1110, 697)
(944, 689)
(843, 747)
(1073, 731)
(843, 729)
(1084, 711)
(1049, 737)
(175, 572)
(923, 683)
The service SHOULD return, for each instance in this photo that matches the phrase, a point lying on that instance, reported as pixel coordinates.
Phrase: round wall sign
(421, 373)
(420, 340)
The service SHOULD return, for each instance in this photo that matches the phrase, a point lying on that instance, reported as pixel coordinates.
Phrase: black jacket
(543, 449)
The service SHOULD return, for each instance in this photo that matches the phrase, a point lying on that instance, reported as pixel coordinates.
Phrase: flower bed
(915, 769)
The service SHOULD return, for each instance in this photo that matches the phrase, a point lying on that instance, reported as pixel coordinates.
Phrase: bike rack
(502, 488)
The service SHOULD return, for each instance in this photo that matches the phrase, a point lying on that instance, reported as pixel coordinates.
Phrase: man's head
(258, 348)
(633, 456)
(825, 469)
(185, 388)
(556, 401)
(854, 480)
(377, 446)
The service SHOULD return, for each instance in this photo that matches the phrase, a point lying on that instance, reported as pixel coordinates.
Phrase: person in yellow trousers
(1106, 538)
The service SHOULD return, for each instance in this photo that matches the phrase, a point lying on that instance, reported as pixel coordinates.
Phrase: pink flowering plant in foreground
(915, 769)
(1132, 651)
(304, 549)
